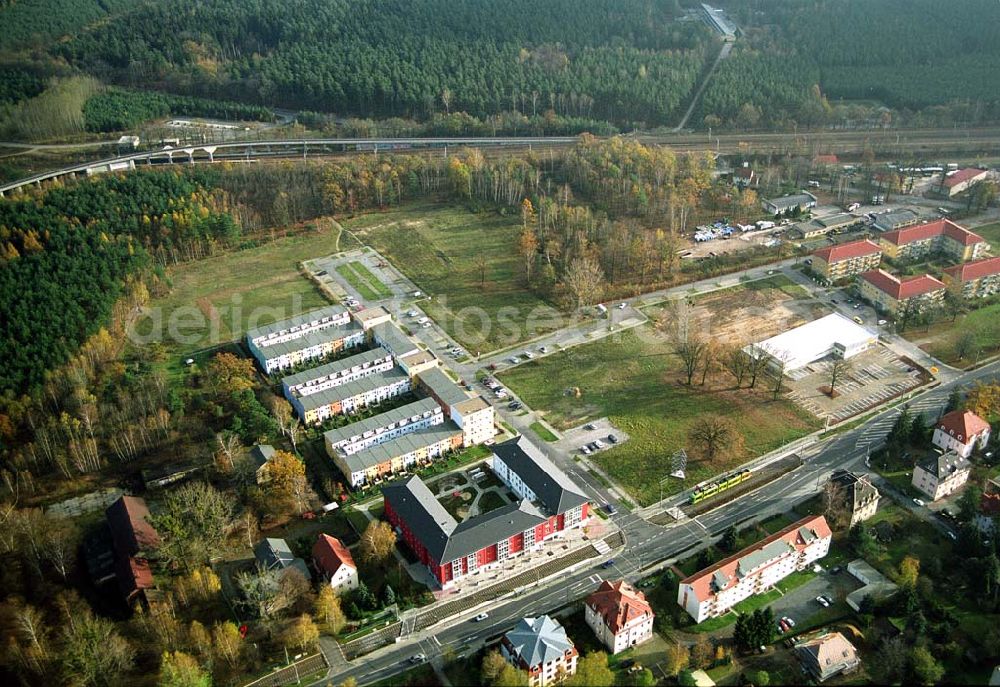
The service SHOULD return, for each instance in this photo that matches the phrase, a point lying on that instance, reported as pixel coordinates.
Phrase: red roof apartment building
(549, 503)
(619, 615)
(891, 294)
(941, 236)
(977, 279)
(846, 259)
(754, 570)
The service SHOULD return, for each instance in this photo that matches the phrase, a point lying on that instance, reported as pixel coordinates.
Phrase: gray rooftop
(887, 221)
(275, 554)
(442, 386)
(538, 641)
(352, 388)
(944, 465)
(859, 490)
(389, 417)
(792, 201)
(556, 491)
(444, 538)
(336, 367)
(393, 338)
(757, 558)
(261, 453)
(310, 339)
(401, 445)
(297, 321)
(720, 580)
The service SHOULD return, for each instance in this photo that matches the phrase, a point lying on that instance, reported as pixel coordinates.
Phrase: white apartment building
(336, 373)
(351, 396)
(383, 427)
(961, 431)
(754, 570)
(298, 326)
(313, 344)
(540, 647)
(475, 417)
(941, 475)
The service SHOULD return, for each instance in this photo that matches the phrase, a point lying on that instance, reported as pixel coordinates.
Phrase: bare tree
(287, 420)
(268, 592)
(687, 344)
(758, 362)
(736, 362)
(778, 372)
(61, 540)
(713, 433)
(835, 506)
(585, 280)
(481, 265)
(839, 367)
(228, 451)
(377, 542)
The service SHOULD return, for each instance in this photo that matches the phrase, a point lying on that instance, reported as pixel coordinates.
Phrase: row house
(713, 591)
(296, 327)
(961, 431)
(894, 295)
(619, 615)
(351, 396)
(941, 474)
(473, 414)
(319, 343)
(941, 236)
(336, 373)
(381, 461)
(383, 427)
(452, 550)
(846, 259)
(542, 649)
(978, 279)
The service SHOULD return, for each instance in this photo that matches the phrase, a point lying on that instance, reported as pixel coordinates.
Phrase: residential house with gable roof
(961, 431)
(335, 563)
(941, 474)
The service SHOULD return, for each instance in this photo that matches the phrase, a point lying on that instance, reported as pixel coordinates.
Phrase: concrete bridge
(250, 150)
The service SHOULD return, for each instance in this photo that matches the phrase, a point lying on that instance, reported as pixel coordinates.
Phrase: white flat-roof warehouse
(833, 334)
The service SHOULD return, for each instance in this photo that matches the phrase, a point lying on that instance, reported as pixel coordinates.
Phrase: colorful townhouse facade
(754, 570)
(352, 396)
(337, 372)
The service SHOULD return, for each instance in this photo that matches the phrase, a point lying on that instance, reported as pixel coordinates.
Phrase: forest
(618, 61)
(116, 109)
(68, 259)
(908, 55)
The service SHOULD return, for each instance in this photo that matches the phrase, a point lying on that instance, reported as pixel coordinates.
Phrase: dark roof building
(133, 539)
(548, 503)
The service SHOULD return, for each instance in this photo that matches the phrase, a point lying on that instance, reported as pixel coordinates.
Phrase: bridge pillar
(211, 152)
(190, 154)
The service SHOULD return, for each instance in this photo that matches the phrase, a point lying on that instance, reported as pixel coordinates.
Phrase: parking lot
(875, 376)
(801, 605)
(587, 435)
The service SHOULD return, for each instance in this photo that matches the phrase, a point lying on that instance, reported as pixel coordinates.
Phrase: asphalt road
(647, 544)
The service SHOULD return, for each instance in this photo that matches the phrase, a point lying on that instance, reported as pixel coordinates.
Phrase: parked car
(919, 502)
(425, 325)
(423, 320)
(835, 570)
(585, 450)
(514, 360)
(481, 617)
(514, 405)
(882, 323)
(598, 443)
(828, 599)
(543, 349)
(952, 536)
(858, 320)
(608, 563)
(610, 509)
(418, 658)
(822, 602)
(622, 305)
(412, 313)
(789, 621)
(612, 438)
(590, 426)
(529, 355)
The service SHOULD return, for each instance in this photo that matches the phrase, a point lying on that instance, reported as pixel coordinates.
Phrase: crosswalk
(601, 547)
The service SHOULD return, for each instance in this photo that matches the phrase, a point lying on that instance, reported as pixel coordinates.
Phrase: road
(723, 54)
(648, 544)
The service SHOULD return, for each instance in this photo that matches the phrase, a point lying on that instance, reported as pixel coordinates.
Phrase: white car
(529, 355)
(417, 294)
(882, 323)
(622, 305)
(423, 320)
(425, 325)
(585, 450)
(822, 602)
(919, 502)
(412, 313)
(481, 617)
(514, 360)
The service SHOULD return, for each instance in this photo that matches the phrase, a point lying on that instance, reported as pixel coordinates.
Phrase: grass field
(543, 431)
(941, 338)
(634, 380)
(215, 300)
(437, 247)
(362, 279)
(990, 232)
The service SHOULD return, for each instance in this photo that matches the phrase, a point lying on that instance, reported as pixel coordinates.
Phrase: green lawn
(347, 271)
(490, 501)
(543, 431)
(940, 339)
(437, 247)
(990, 232)
(215, 300)
(745, 606)
(778, 281)
(374, 282)
(633, 379)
